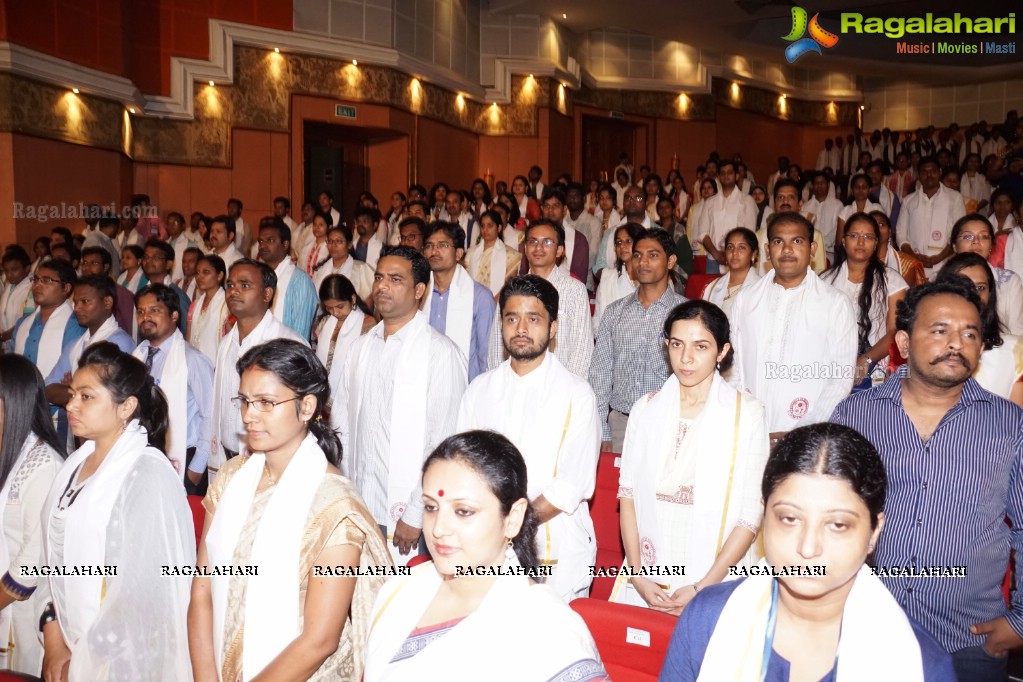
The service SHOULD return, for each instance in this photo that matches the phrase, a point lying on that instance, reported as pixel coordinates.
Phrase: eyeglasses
(969, 237)
(634, 198)
(43, 280)
(335, 242)
(860, 237)
(623, 242)
(410, 238)
(260, 405)
(533, 241)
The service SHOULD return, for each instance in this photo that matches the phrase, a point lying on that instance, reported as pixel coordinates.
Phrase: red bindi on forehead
(440, 493)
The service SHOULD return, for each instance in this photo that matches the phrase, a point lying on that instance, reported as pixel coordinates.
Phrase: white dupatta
(407, 422)
(1000, 368)
(351, 329)
(730, 440)
(498, 265)
(1014, 251)
(553, 639)
(173, 380)
(272, 601)
(458, 326)
(51, 343)
(6, 614)
(207, 326)
(877, 641)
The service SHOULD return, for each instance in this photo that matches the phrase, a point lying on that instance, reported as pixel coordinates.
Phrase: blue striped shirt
(946, 505)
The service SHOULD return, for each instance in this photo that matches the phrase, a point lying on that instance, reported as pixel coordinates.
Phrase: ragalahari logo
(818, 36)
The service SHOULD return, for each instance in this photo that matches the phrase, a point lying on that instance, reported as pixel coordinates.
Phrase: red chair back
(606, 522)
(697, 283)
(416, 560)
(198, 516)
(632, 641)
(8, 676)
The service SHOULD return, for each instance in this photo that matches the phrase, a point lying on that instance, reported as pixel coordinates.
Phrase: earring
(870, 547)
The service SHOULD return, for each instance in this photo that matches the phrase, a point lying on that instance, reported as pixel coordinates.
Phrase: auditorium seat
(198, 517)
(606, 524)
(697, 283)
(8, 676)
(632, 641)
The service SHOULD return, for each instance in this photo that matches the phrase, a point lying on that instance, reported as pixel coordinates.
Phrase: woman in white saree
(691, 465)
(117, 511)
(438, 624)
(824, 491)
(30, 456)
(286, 510)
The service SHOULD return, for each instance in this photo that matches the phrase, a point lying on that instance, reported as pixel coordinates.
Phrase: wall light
(131, 110)
(212, 84)
(74, 90)
(564, 16)
(355, 62)
(460, 102)
(277, 50)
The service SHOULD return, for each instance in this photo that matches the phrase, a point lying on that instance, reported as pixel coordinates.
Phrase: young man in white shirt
(927, 217)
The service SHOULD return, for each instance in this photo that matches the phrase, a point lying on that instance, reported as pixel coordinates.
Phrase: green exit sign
(342, 111)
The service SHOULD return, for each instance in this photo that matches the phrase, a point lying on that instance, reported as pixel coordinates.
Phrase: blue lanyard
(772, 621)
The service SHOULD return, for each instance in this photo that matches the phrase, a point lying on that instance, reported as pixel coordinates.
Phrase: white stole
(15, 300)
(351, 329)
(174, 383)
(498, 265)
(272, 609)
(131, 285)
(458, 326)
(284, 272)
(51, 343)
(105, 331)
(877, 640)
(85, 535)
(5, 556)
(407, 419)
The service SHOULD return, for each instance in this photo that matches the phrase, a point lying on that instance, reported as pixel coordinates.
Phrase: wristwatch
(49, 615)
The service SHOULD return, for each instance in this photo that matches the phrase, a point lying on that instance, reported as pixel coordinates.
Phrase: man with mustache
(954, 457)
(794, 335)
(786, 199)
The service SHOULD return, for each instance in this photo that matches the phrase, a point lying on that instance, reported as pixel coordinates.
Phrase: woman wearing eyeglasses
(874, 289)
(286, 511)
(341, 262)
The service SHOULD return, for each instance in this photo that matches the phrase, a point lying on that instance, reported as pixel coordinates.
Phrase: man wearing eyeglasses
(544, 245)
(41, 335)
(185, 376)
(157, 264)
(250, 288)
(576, 260)
(634, 209)
(411, 233)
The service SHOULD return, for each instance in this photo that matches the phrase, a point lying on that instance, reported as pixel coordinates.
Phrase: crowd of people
(841, 391)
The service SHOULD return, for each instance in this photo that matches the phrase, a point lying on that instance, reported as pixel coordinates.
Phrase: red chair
(632, 641)
(697, 283)
(198, 517)
(8, 676)
(606, 523)
(416, 560)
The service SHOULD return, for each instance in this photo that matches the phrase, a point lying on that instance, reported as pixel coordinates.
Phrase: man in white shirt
(582, 221)
(828, 157)
(550, 415)
(621, 184)
(242, 231)
(326, 200)
(222, 238)
(545, 243)
(927, 216)
(250, 288)
(16, 300)
(401, 381)
(726, 210)
(825, 210)
(794, 335)
(178, 241)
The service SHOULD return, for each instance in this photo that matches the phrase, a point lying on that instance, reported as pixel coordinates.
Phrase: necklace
(270, 477)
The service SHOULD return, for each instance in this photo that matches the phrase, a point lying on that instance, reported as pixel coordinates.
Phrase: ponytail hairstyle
(25, 411)
(300, 370)
(499, 463)
(126, 376)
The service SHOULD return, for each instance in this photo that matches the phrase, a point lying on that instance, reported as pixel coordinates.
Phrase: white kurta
(207, 325)
(551, 416)
(726, 213)
(357, 272)
(15, 302)
(1000, 368)
(795, 349)
(1009, 286)
(926, 222)
(825, 218)
(718, 292)
(229, 256)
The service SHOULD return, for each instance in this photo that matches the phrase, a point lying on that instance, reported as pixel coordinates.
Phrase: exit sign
(342, 111)
(615, 114)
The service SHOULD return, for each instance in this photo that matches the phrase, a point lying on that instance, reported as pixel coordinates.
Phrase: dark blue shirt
(946, 505)
(696, 625)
